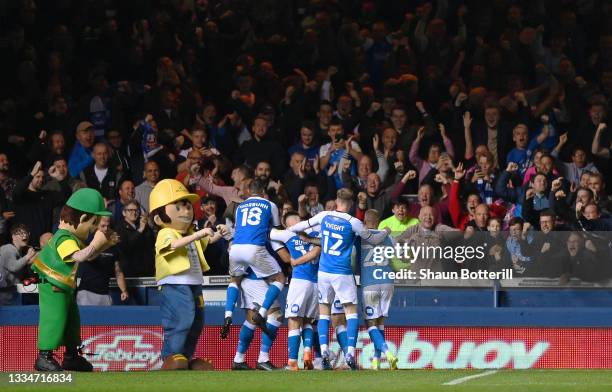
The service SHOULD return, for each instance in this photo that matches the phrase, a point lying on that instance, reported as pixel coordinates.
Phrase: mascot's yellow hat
(169, 191)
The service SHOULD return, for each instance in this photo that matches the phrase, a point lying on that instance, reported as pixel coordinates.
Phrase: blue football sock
(376, 353)
(231, 298)
(293, 341)
(247, 331)
(273, 292)
(316, 346)
(342, 338)
(323, 329)
(307, 335)
(376, 350)
(352, 329)
(381, 328)
(379, 341)
(267, 340)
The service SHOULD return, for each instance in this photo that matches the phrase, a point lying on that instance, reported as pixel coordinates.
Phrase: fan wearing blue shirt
(520, 154)
(332, 153)
(306, 144)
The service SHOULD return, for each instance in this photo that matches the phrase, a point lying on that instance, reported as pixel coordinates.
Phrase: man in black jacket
(33, 204)
(262, 148)
(494, 134)
(585, 258)
(99, 175)
(546, 248)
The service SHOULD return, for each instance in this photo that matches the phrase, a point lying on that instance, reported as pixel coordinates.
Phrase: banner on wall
(116, 348)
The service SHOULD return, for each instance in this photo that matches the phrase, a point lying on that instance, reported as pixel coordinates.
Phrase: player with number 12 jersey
(338, 233)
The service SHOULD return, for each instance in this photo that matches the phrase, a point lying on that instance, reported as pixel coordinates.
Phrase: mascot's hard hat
(169, 191)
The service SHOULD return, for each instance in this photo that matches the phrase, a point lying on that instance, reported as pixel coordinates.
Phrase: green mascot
(56, 265)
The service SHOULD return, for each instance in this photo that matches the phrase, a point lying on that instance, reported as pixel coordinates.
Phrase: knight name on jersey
(333, 226)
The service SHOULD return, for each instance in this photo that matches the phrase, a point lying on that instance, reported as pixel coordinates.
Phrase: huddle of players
(322, 288)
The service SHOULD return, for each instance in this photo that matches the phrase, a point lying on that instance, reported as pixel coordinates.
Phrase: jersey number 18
(251, 216)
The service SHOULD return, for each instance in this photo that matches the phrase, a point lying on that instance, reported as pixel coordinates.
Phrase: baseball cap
(84, 125)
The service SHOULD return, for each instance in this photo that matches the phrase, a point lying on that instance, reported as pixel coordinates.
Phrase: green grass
(345, 381)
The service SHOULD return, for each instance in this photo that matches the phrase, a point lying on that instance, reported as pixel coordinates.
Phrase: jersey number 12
(333, 249)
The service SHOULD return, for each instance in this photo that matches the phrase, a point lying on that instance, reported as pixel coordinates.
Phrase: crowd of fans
(492, 113)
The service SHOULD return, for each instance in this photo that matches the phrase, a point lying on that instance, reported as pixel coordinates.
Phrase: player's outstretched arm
(281, 236)
(312, 222)
(311, 255)
(373, 238)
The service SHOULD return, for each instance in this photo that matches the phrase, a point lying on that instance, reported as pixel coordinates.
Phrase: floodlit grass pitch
(403, 380)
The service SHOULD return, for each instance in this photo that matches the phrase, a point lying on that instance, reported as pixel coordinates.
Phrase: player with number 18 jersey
(255, 217)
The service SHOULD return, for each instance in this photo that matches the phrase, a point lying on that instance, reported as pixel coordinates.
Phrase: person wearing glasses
(15, 257)
(137, 245)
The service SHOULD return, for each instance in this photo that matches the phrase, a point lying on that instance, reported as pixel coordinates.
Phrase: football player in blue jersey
(335, 277)
(255, 217)
(377, 291)
(253, 291)
(301, 307)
